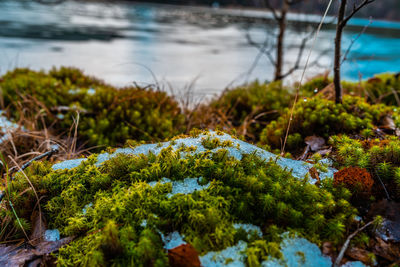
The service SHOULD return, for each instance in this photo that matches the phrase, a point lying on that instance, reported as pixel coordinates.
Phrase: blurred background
(208, 45)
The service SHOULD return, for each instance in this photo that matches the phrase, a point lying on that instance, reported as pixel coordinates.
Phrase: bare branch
(354, 40)
(273, 10)
(262, 48)
(347, 243)
(355, 10)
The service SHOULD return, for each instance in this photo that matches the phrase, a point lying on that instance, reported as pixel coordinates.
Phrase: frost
(68, 164)
(187, 186)
(299, 168)
(172, 240)
(84, 210)
(299, 252)
(52, 235)
(249, 228)
(232, 257)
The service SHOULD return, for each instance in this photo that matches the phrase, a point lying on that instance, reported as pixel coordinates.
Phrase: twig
(354, 40)
(303, 74)
(384, 188)
(347, 243)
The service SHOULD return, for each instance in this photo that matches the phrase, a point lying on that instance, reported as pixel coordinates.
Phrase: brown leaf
(38, 228)
(389, 251)
(315, 142)
(21, 255)
(314, 174)
(359, 254)
(183, 256)
(388, 123)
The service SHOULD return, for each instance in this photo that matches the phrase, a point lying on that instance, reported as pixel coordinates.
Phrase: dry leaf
(315, 142)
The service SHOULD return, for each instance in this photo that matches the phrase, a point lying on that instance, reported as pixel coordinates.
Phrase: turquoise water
(126, 43)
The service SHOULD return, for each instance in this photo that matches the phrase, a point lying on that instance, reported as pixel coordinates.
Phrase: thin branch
(355, 10)
(354, 40)
(347, 243)
(273, 10)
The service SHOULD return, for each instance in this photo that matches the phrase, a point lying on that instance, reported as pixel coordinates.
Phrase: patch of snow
(299, 168)
(187, 186)
(231, 257)
(249, 228)
(172, 240)
(91, 91)
(300, 252)
(52, 235)
(84, 210)
(68, 164)
(6, 127)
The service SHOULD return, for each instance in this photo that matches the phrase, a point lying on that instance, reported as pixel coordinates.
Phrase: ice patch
(299, 252)
(299, 168)
(52, 235)
(187, 186)
(84, 210)
(249, 228)
(172, 240)
(231, 257)
(6, 127)
(68, 164)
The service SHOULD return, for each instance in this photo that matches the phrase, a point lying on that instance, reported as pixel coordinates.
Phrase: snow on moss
(299, 168)
(231, 257)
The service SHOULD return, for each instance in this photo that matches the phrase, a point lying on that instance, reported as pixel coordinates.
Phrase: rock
(183, 256)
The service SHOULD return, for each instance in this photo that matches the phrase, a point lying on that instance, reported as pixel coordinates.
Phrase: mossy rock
(121, 208)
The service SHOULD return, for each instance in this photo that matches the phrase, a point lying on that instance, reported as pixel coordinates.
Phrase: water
(126, 43)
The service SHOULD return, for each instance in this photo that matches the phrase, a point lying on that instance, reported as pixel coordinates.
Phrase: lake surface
(126, 43)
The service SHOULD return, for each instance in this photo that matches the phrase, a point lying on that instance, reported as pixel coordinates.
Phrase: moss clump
(246, 108)
(322, 117)
(106, 206)
(108, 115)
(380, 157)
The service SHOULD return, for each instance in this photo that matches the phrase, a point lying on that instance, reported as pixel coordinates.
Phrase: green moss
(110, 231)
(108, 116)
(317, 116)
(248, 106)
(380, 157)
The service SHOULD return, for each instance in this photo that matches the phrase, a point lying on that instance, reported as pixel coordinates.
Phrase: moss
(247, 108)
(110, 230)
(380, 157)
(322, 117)
(108, 115)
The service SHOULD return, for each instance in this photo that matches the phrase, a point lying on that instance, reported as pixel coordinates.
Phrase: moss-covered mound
(322, 117)
(108, 115)
(123, 208)
(246, 108)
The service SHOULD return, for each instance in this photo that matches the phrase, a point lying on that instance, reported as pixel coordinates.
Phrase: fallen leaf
(314, 174)
(39, 226)
(359, 254)
(315, 142)
(386, 250)
(183, 256)
(22, 255)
